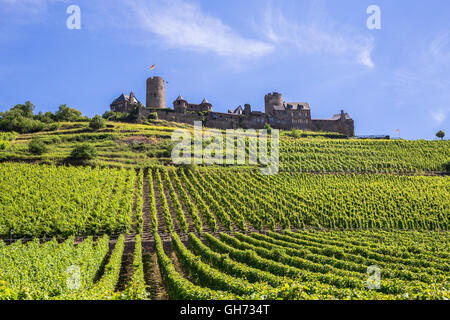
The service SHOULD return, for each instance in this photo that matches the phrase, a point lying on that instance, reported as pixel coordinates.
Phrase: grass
(148, 145)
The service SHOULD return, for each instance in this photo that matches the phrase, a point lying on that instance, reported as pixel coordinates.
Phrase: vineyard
(370, 156)
(158, 233)
(41, 201)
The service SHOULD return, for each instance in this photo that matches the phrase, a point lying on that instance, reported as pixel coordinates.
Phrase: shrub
(8, 136)
(97, 123)
(165, 150)
(139, 146)
(50, 140)
(268, 128)
(53, 126)
(21, 124)
(36, 146)
(116, 116)
(4, 145)
(447, 167)
(152, 116)
(83, 152)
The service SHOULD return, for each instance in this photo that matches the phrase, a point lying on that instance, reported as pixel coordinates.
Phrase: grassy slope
(117, 144)
(134, 145)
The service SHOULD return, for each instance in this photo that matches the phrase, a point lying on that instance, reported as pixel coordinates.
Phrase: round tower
(156, 96)
(271, 100)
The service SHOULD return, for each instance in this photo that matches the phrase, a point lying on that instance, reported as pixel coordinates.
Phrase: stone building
(125, 103)
(278, 114)
(181, 106)
(287, 115)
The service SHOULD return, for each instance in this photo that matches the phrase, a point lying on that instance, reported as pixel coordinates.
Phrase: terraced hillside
(134, 145)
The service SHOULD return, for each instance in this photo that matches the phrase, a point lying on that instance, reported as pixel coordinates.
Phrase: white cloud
(440, 47)
(365, 58)
(180, 24)
(439, 116)
(317, 34)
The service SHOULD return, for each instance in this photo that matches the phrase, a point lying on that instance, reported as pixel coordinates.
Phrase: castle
(278, 113)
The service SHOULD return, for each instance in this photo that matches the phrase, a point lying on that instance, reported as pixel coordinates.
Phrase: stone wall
(344, 126)
(290, 119)
(253, 121)
(210, 120)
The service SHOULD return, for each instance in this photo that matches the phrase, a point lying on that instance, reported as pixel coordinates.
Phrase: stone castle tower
(271, 100)
(156, 95)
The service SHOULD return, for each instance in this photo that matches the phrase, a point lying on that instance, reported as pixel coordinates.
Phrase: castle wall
(344, 126)
(210, 120)
(293, 119)
(229, 121)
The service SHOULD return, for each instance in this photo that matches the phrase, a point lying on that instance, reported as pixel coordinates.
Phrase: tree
(440, 134)
(109, 115)
(83, 152)
(47, 117)
(65, 113)
(24, 110)
(36, 146)
(268, 128)
(20, 124)
(97, 123)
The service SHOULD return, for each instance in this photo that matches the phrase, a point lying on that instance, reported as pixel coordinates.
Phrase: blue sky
(233, 52)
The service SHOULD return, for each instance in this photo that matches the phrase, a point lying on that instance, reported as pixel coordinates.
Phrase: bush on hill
(447, 167)
(97, 123)
(4, 145)
(36, 146)
(83, 152)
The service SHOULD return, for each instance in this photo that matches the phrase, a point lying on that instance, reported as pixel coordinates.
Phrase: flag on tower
(152, 67)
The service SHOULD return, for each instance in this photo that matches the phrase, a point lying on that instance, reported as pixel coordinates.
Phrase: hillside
(138, 227)
(140, 146)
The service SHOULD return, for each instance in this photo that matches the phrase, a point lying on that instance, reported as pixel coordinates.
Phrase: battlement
(274, 94)
(155, 78)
